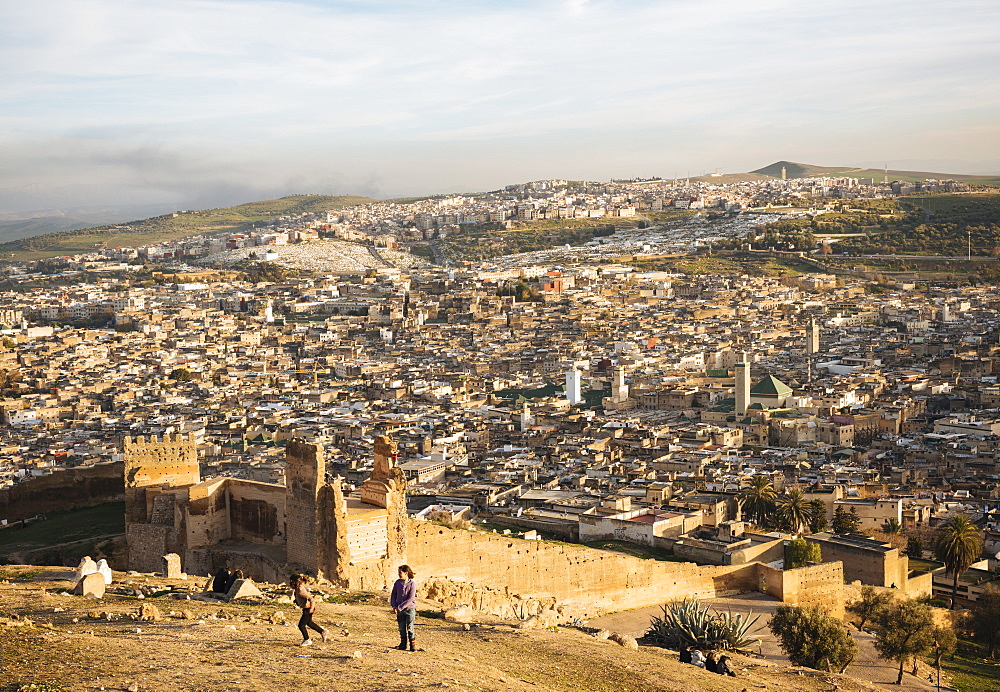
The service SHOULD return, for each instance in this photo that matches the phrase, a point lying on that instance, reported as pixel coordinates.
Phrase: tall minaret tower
(812, 346)
(812, 337)
(742, 368)
(573, 386)
(527, 420)
(784, 173)
(619, 390)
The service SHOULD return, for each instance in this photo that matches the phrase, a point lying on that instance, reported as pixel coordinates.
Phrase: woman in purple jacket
(404, 603)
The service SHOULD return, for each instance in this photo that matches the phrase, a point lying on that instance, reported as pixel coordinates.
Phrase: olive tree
(811, 637)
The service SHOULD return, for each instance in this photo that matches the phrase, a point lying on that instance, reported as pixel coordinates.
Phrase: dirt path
(867, 666)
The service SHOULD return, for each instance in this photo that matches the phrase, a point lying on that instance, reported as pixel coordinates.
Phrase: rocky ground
(57, 641)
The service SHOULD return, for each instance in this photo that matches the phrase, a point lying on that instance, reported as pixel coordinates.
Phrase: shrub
(870, 605)
(812, 638)
(799, 552)
(689, 623)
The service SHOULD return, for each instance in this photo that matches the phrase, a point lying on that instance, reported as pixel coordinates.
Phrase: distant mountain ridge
(808, 170)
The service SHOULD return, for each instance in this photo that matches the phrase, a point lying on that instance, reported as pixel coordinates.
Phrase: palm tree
(757, 500)
(892, 527)
(958, 545)
(795, 510)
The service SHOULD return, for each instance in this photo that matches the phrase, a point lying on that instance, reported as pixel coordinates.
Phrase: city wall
(62, 490)
(813, 585)
(501, 574)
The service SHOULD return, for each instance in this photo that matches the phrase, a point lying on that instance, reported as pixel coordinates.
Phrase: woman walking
(404, 603)
(304, 600)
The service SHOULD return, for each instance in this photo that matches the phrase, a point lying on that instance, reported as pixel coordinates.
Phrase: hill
(729, 178)
(800, 170)
(807, 170)
(69, 643)
(171, 226)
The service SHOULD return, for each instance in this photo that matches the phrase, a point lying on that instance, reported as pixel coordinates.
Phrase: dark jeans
(307, 621)
(405, 619)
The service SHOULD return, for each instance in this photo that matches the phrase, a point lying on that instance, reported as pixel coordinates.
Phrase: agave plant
(689, 623)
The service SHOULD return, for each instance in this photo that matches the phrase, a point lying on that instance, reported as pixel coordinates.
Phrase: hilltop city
(565, 392)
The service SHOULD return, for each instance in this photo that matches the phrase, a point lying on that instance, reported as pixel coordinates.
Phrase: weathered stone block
(171, 566)
(91, 585)
(242, 588)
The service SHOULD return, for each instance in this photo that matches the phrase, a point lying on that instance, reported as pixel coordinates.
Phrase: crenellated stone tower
(156, 469)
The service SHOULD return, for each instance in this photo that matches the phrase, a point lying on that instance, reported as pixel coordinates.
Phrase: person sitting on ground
(722, 667)
(697, 658)
(220, 584)
(710, 662)
(685, 655)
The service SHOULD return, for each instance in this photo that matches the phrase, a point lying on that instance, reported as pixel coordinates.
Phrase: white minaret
(945, 313)
(619, 390)
(526, 420)
(573, 386)
(269, 313)
(742, 368)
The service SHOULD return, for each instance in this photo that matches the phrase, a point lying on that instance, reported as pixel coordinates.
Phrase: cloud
(241, 94)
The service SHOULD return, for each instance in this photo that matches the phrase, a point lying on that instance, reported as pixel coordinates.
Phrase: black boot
(413, 645)
(402, 644)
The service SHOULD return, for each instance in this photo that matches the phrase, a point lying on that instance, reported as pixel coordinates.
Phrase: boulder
(90, 585)
(242, 588)
(461, 615)
(625, 640)
(546, 618)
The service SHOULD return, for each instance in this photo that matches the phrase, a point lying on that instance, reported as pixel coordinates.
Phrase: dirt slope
(63, 642)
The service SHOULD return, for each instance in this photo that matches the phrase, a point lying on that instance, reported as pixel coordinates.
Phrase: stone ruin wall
(62, 490)
(513, 577)
(305, 473)
(813, 585)
(506, 576)
(154, 462)
(208, 515)
(156, 471)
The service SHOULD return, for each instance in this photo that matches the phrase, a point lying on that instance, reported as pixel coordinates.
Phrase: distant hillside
(800, 170)
(729, 178)
(170, 226)
(807, 170)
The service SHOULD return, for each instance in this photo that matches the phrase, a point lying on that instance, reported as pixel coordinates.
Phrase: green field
(970, 672)
(171, 226)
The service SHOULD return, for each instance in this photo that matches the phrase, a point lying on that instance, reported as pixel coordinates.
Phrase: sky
(200, 103)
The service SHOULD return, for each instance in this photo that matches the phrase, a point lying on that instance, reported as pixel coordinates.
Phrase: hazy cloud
(201, 99)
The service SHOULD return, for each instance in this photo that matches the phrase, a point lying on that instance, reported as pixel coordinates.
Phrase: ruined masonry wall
(813, 585)
(305, 472)
(256, 512)
(147, 544)
(171, 461)
(208, 514)
(582, 580)
(61, 490)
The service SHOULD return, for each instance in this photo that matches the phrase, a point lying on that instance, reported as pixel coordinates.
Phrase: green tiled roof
(771, 386)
